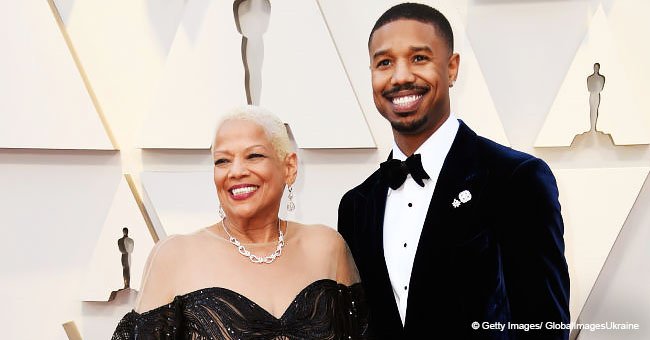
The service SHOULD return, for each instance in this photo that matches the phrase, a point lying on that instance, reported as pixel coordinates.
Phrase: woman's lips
(242, 191)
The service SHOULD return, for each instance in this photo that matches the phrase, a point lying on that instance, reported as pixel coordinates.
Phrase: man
(463, 235)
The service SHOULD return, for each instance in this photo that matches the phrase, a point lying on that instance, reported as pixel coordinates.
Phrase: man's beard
(410, 128)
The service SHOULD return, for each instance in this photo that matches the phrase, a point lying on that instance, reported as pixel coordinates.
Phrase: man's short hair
(418, 12)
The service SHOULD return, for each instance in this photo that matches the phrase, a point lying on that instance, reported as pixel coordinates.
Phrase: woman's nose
(238, 168)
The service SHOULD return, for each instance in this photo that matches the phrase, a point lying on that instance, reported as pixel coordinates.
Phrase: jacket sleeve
(532, 246)
(345, 224)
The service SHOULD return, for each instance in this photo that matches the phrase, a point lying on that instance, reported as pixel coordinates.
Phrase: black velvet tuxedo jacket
(498, 257)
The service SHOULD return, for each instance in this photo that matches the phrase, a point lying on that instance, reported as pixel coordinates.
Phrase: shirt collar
(434, 150)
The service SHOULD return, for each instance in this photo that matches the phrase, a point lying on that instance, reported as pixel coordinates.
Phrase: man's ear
(454, 64)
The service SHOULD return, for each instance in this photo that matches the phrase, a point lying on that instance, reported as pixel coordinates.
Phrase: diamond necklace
(252, 257)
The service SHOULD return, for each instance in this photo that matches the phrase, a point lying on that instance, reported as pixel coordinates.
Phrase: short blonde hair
(270, 123)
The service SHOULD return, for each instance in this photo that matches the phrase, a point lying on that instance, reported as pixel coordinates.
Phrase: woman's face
(248, 174)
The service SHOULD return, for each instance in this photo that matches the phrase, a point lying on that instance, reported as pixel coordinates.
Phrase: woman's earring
(221, 212)
(290, 205)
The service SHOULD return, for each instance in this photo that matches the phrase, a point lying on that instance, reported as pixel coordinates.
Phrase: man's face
(411, 68)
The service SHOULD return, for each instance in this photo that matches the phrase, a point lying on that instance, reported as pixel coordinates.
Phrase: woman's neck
(253, 230)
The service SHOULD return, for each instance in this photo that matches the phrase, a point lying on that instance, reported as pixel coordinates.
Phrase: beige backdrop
(84, 77)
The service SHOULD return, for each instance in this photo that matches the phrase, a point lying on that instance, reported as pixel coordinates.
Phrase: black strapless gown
(324, 309)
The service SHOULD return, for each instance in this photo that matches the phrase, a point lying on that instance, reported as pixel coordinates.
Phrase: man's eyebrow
(421, 48)
(379, 53)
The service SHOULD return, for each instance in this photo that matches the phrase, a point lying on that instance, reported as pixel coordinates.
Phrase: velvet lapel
(460, 171)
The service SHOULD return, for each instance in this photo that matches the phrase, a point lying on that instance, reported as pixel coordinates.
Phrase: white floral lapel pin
(463, 197)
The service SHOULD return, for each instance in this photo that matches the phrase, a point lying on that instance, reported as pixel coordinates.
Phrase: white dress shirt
(406, 209)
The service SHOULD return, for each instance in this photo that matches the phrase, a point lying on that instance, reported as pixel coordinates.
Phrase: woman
(251, 275)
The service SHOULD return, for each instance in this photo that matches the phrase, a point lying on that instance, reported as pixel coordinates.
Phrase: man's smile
(406, 99)
(407, 103)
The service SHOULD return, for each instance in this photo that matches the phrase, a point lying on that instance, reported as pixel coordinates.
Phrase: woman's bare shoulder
(165, 268)
(177, 245)
(318, 233)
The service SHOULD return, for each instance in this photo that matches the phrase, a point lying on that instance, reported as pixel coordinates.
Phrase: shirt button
(405, 288)
(410, 204)
(404, 244)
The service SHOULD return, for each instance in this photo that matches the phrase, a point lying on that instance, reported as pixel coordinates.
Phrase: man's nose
(403, 74)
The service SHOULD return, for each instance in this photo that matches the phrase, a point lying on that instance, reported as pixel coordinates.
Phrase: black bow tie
(393, 171)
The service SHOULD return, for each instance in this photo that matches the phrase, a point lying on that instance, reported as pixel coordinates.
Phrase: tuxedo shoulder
(501, 157)
(364, 188)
